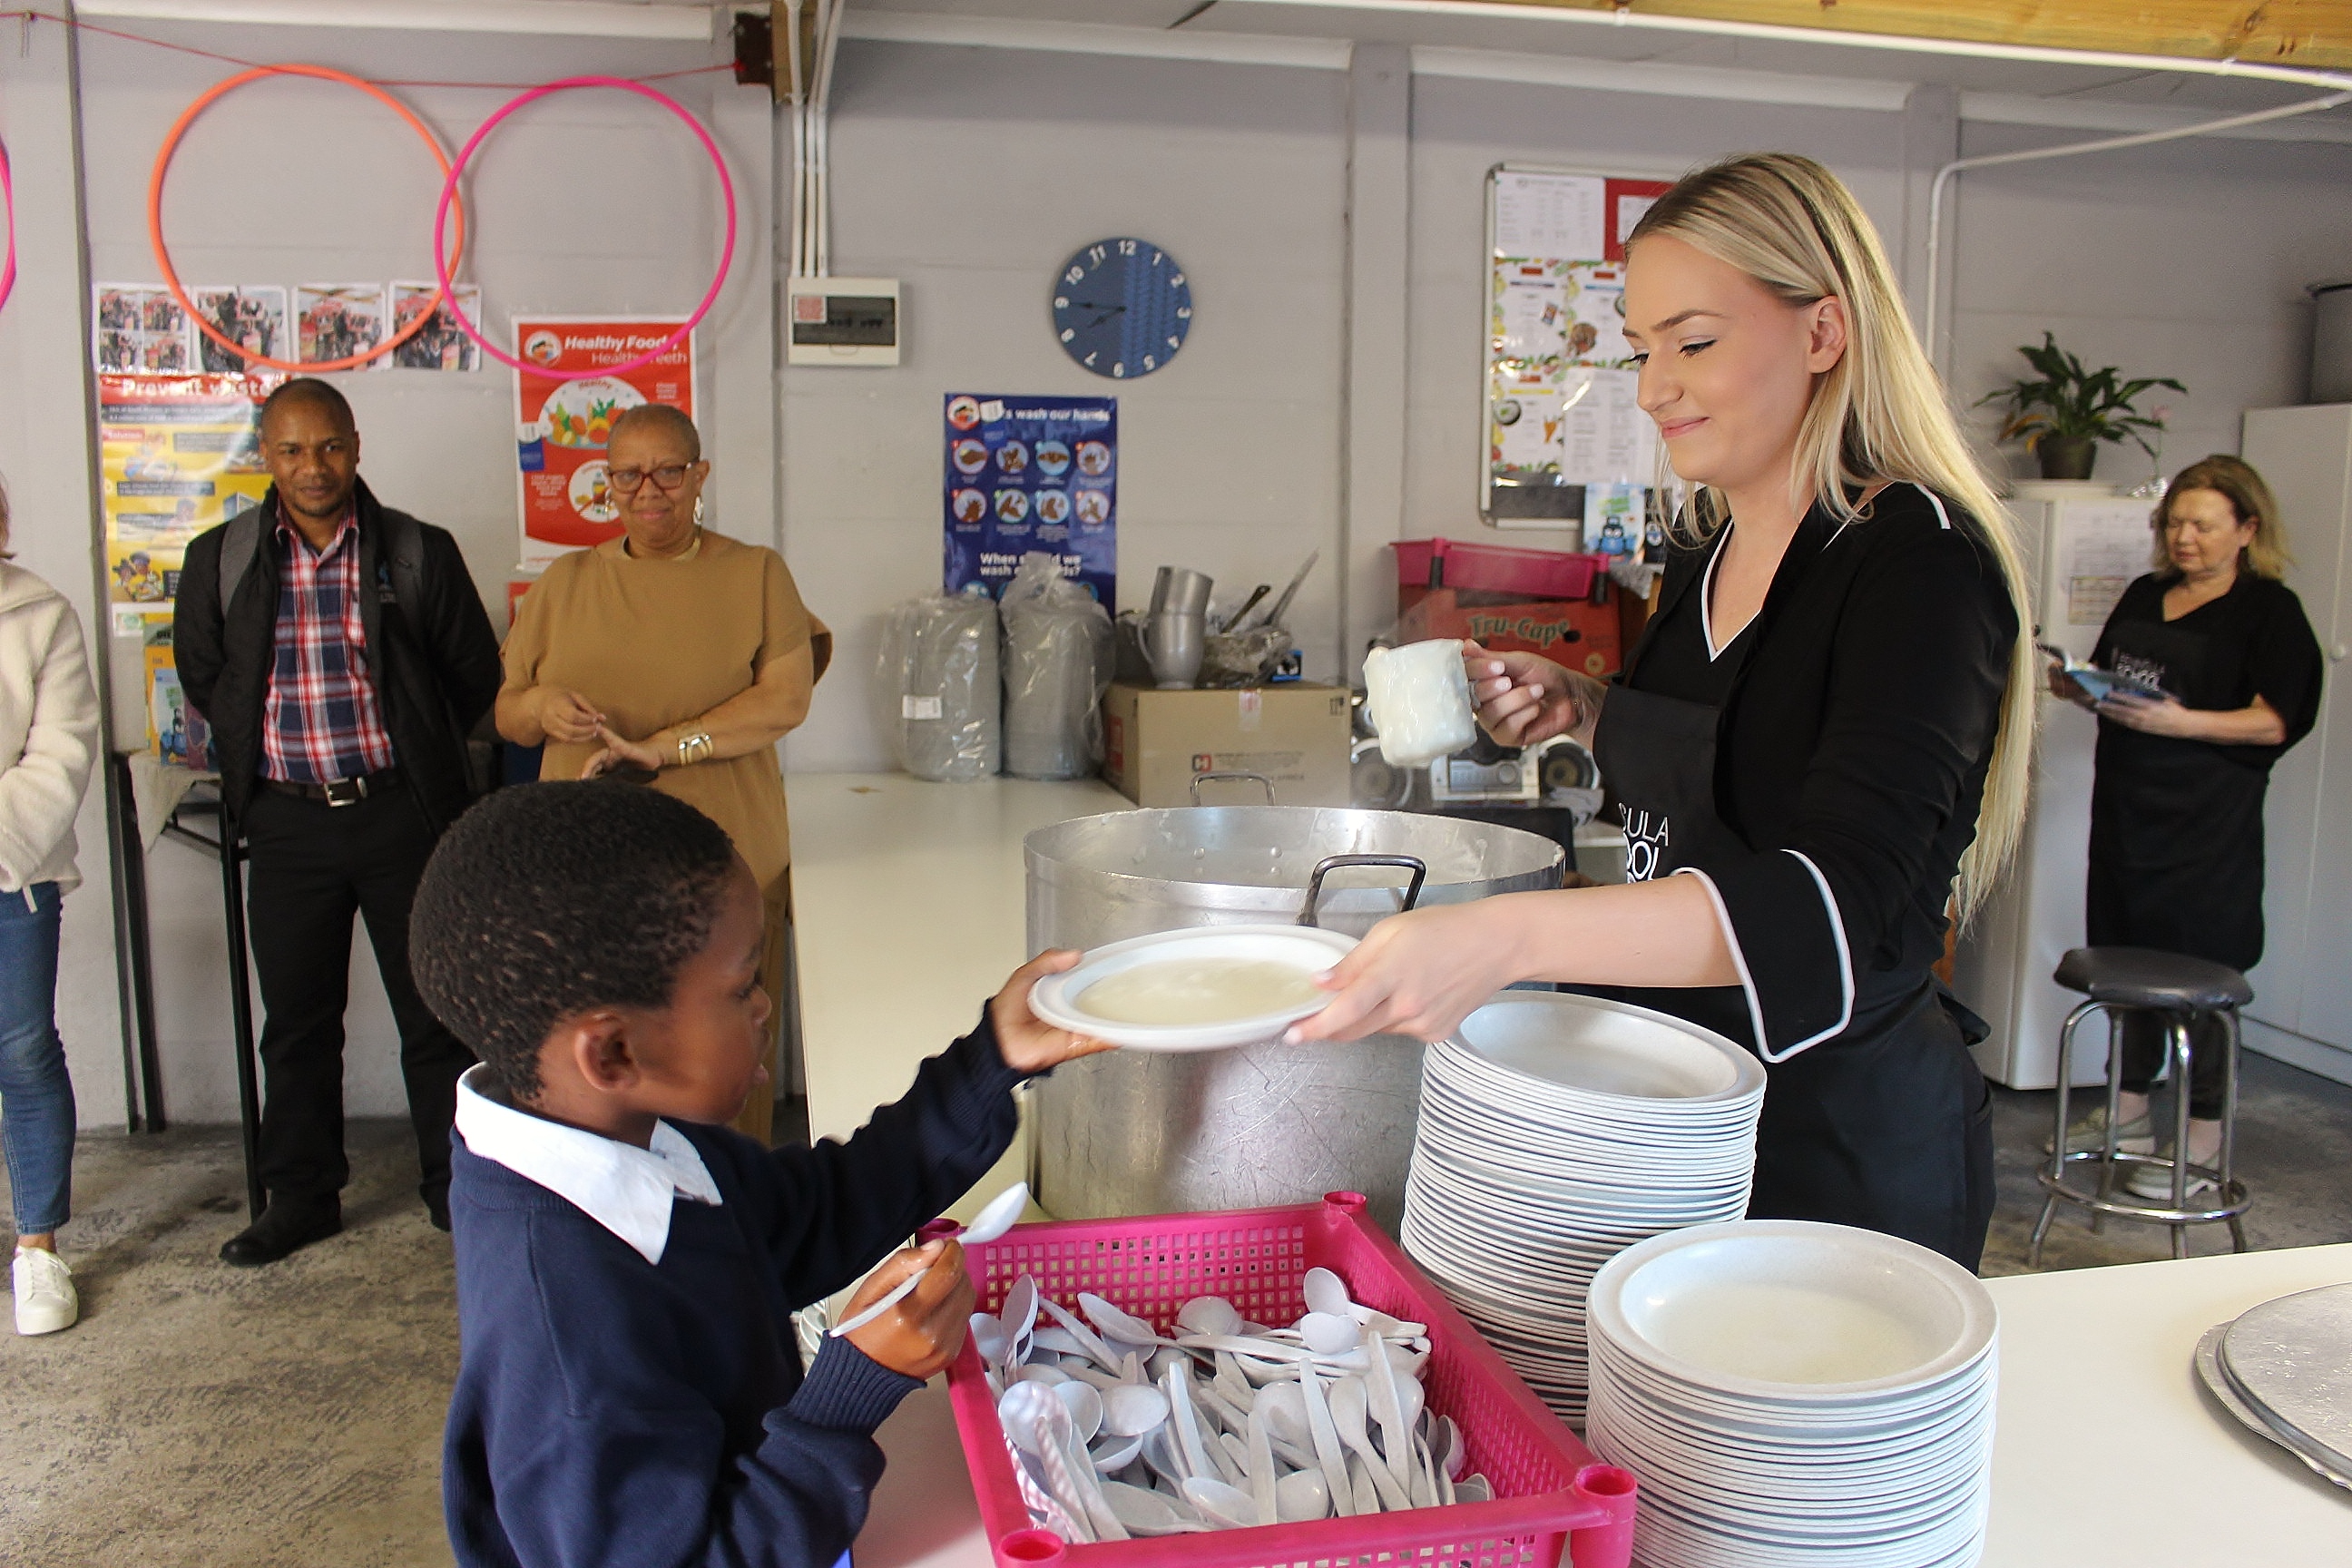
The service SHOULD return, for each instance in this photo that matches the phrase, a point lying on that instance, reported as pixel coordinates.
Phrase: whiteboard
(1564, 436)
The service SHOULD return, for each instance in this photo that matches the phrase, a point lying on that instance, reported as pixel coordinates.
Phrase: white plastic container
(1420, 700)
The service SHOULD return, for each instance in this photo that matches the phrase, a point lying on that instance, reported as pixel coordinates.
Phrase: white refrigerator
(2083, 542)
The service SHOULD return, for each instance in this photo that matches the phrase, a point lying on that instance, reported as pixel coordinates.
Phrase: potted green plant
(2065, 413)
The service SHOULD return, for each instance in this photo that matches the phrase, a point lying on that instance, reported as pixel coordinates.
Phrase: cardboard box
(1157, 743)
(1573, 633)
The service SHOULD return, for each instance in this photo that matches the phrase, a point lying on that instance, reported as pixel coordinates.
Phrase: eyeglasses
(628, 481)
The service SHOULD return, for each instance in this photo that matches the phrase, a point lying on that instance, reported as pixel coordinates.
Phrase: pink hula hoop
(449, 195)
(8, 210)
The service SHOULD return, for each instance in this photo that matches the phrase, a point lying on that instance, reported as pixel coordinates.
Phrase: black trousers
(2140, 1036)
(314, 866)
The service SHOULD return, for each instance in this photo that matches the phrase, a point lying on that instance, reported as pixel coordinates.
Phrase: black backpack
(400, 557)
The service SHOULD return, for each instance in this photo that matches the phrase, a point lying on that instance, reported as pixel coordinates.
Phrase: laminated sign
(1032, 473)
(567, 498)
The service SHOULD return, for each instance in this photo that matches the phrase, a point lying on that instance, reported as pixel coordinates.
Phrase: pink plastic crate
(1549, 1491)
(1497, 568)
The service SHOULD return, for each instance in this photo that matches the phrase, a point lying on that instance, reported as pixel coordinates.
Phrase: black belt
(340, 792)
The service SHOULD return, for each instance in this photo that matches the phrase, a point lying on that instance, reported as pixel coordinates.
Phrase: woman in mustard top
(677, 651)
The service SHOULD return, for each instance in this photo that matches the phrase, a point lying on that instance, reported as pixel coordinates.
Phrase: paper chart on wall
(2107, 543)
(1605, 438)
(177, 455)
(336, 321)
(1561, 216)
(567, 495)
(139, 328)
(1561, 411)
(252, 316)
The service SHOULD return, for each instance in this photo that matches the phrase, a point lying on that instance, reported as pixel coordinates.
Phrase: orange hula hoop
(163, 256)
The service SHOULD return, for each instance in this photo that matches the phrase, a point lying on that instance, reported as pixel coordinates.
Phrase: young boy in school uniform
(630, 1392)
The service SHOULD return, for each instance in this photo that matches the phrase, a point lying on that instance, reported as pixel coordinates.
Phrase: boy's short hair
(547, 900)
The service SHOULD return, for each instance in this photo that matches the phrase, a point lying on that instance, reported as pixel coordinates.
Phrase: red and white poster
(561, 426)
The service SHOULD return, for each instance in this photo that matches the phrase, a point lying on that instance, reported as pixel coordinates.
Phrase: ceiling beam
(2312, 33)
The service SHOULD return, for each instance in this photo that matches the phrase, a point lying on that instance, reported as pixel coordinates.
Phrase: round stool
(2176, 988)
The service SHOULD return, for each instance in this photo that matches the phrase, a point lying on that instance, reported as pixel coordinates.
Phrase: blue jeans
(37, 1102)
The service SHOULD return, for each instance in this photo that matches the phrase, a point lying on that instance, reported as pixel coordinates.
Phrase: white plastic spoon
(1259, 1463)
(1209, 1315)
(1117, 1326)
(1349, 1403)
(1146, 1512)
(1301, 1497)
(996, 1216)
(1130, 1410)
(1222, 1504)
(1326, 1441)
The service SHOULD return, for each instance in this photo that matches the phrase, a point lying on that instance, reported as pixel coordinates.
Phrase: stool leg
(2115, 1102)
(2176, 1029)
(2230, 1122)
(2041, 1230)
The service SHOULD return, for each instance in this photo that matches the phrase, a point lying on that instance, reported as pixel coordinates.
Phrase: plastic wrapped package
(1243, 659)
(1057, 665)
(1419, 697)
(939, 686)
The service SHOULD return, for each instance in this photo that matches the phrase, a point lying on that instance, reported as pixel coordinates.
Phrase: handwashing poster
(1032, 473)
(561, 426)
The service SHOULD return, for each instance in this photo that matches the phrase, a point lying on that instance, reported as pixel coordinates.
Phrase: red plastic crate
(1498, 568)
(1549, 1491)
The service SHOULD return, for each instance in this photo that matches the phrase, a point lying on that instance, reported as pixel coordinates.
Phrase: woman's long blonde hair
(1880, 413)
(2248, 495)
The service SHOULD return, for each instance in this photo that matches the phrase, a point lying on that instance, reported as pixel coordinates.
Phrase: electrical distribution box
(841, 321)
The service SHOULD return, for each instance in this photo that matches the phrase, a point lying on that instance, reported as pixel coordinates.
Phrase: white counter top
(910, 909)
(2108, 1452)
(907, 913)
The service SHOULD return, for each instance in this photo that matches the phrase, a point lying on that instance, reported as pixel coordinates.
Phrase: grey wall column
(1931, 139)
(738, 339)
(1373, 427)
(46, 454)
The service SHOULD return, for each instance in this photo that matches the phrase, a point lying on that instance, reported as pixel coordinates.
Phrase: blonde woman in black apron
(1818, 747)
(2177, 808)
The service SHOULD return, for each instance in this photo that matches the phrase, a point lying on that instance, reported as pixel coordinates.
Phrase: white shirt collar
(625, 1189)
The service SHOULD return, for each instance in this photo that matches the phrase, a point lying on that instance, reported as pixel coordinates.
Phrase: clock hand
(1106, 315)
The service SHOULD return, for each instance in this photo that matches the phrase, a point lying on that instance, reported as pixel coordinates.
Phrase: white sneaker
(46, 1301)
(2155, 1183)
(2089, 1133)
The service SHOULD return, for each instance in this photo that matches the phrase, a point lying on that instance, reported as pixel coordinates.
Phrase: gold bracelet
(694, 748)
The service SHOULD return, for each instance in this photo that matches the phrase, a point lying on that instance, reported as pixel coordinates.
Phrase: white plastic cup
(1420, 700)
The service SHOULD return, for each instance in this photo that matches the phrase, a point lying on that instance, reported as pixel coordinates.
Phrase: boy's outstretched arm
(839, 1207)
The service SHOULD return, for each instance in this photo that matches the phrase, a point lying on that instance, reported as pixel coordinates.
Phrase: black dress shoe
(285, 1226)
(439, 1215)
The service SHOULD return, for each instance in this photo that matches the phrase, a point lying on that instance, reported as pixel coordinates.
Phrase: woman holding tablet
(1819, 746)
(2177, 808)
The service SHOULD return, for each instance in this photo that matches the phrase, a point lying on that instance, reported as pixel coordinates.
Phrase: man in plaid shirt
(341, 667)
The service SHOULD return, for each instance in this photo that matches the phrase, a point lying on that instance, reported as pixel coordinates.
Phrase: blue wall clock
(1122, 308)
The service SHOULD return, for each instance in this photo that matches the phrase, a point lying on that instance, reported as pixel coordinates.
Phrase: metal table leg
(240, 1006)
(142, 1061)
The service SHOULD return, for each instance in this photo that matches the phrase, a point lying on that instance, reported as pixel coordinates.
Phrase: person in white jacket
(49, 744)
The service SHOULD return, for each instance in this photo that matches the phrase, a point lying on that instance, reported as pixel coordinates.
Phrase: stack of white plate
(1796, 1394)
(1555, 1132)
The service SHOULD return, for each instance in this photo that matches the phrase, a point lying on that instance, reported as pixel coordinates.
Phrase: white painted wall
(2185, 259)
(295, 180)
(970, 174)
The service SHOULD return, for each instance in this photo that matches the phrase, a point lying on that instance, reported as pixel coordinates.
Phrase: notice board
(1562, 426)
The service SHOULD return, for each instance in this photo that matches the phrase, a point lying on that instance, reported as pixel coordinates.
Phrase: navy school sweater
(611, 1412)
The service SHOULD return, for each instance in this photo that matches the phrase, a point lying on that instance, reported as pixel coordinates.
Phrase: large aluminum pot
(1135, 1133)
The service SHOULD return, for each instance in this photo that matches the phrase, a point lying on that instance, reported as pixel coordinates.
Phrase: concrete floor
(291, 1416)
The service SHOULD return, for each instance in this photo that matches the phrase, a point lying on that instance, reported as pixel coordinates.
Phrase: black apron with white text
(1886, 1125)
(2175, 857)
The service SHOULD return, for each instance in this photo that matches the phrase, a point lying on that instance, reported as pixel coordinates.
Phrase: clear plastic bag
(1057, 665)
(939, 686)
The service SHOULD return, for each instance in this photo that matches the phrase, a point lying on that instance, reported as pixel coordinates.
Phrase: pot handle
(1229, 776)
(1419, 868)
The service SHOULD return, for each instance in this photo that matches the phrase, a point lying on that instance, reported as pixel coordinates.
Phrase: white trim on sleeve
(1941, 516)
(1738, 958)
(1844, 952)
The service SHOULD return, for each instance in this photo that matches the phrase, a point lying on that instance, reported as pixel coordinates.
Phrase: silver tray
(2216, 1378)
